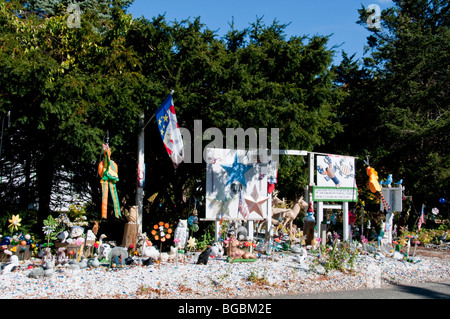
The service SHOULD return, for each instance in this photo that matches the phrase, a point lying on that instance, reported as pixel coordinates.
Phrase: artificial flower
(47, 230)
(15, 222)
(191, 243)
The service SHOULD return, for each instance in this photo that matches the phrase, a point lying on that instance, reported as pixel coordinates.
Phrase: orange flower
(169, 231)
(155, 227)
(153, 232)
(168, 236)
(156, 237)
(161, 223)
(166, 225)
(163, 239)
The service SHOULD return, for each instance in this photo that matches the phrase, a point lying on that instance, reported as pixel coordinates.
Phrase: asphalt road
(429, 290)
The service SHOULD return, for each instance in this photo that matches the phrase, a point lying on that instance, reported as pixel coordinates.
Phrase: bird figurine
(95, 263)
(148, 250)
(388, 181)
(83, 263)
(11, 265)
(37, 272)
(399, 183)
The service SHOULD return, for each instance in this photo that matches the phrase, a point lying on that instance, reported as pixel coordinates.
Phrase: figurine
(182, 232)
(234, 252)
(61, 258)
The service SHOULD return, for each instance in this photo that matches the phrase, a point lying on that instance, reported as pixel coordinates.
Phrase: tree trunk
(45, 173)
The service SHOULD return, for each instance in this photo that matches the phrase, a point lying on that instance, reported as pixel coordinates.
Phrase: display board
(236, 185)
(335, 179)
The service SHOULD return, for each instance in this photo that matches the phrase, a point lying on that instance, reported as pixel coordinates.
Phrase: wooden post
(130, 235)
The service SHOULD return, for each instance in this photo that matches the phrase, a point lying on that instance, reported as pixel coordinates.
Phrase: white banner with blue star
(233, 174)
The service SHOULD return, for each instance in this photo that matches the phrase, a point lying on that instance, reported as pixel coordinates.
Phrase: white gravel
(218, 279)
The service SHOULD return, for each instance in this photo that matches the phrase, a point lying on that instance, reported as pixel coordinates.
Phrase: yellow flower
(15, 221)
(14, 249)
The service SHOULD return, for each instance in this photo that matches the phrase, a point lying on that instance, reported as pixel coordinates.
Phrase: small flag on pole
(170, 131)
(421, 218)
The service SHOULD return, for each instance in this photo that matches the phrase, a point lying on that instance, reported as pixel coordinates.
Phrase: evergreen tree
(396, 108)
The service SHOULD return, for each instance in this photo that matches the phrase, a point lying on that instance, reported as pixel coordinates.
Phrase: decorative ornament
(255, 201)
(191, 243)
(15, 222)
(161, 231)
(237, 171)
(108, 171)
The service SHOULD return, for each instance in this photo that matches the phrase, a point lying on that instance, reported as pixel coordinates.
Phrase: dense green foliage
(68, 90)
(396, 112)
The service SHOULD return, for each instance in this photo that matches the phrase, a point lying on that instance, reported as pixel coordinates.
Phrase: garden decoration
(290, 215)
(236, 254)
(108, 171)
(181, 233)
(193, 220)
(309, 223)
(388, 181)
(191, 243)
(15, 222)
(161, 232)
(374, 185)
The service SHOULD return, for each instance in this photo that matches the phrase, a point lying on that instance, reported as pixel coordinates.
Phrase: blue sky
(314, 17)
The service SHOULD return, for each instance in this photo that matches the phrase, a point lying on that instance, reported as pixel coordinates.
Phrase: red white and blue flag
(421, 218)
(170, 131)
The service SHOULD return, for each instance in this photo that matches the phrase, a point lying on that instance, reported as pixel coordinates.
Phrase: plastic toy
(108, 172)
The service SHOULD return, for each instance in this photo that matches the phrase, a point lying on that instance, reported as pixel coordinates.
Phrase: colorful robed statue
(108, 171)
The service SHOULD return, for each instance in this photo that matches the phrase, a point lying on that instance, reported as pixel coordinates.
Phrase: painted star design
(255, 201)
(237, 171)
(220, 204)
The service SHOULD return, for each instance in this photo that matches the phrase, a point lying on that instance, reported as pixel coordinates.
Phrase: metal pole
(141, 170)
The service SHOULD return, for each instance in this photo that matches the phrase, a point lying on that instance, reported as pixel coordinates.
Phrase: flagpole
(141, 166)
